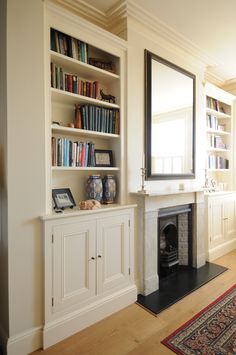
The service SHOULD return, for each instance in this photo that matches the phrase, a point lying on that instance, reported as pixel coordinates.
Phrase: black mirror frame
(148, 56)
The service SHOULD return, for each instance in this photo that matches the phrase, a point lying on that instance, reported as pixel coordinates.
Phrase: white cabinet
(88, 268)
(221, 223)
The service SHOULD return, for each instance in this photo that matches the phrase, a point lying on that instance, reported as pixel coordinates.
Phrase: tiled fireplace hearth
(153, 205)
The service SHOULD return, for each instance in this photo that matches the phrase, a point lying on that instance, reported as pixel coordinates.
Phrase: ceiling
(208, 24)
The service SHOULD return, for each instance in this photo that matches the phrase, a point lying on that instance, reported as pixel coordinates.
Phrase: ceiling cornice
(154, 24)
(84, 10)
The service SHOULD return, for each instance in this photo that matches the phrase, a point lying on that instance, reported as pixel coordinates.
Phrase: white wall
(139, 39)
(26, 169)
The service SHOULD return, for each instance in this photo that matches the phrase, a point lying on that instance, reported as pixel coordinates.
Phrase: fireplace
(183, 209)
(174, 239)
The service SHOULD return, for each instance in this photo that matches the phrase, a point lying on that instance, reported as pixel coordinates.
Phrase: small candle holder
(143, 173)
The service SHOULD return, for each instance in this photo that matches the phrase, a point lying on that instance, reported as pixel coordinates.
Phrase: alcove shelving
(81, 73)
(219, 128)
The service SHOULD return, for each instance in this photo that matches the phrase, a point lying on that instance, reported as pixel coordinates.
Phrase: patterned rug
(211, 332)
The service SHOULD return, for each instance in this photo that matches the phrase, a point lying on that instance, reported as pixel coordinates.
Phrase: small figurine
(107, 97)
(89, 205)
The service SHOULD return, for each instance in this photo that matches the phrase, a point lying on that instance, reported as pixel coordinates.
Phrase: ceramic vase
(94, 188)
(109, 188)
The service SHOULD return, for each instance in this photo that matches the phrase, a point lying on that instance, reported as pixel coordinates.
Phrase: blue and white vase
(94, 188)
(109, 188)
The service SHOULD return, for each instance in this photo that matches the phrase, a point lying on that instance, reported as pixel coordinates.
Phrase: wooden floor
(134, 331)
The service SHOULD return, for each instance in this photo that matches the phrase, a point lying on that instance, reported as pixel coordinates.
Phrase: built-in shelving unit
(219, 142)
(82, 70)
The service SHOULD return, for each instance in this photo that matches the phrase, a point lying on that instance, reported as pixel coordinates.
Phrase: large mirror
(170, 120)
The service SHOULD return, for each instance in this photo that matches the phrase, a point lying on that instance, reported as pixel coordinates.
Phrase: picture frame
(103, 158)
(62, 199)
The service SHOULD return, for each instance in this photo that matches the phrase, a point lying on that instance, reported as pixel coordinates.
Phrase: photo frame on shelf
(62, 199)
(103, 158)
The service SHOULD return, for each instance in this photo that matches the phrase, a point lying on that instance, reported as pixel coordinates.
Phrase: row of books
(212, 122)
(216, 162)
(72, 83)
(72, 154)
(215, 141)
(69, 46)
(96, 118)
(212, 103)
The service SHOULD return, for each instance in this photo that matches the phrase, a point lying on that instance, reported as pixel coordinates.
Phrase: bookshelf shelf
(83, 69)
(84, 168)
(215, 131)
(82, 132)
(218, 114)
(210, 149)
(72, 99)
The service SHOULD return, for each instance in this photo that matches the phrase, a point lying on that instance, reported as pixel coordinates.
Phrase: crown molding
(154, 24)
(84, 10)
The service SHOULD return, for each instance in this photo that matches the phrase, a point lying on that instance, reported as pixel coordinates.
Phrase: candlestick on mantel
(143, 171)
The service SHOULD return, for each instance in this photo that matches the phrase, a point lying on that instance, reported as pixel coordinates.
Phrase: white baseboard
(221, 250)
(66, 326)
(25, 343)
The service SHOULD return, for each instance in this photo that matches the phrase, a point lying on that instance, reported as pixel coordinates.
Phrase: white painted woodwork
(221, 176)
(88, 268)
(73, 263)
(112, 252)
(221, 223)
(61, 103)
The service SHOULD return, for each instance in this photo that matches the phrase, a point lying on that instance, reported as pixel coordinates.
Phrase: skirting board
(72, 323)
(25, 343)
(221, 250)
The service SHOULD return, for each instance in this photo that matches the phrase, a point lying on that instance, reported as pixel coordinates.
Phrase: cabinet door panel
(230, 213)
(73, 268)
(113, 252)
(216, 222)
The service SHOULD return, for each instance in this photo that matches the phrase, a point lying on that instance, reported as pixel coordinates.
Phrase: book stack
(69, 46)
(100, 119)
(72, 154)
(217, 162)
(215, 141)
(68, 82)
(212, 122)
(212, 103)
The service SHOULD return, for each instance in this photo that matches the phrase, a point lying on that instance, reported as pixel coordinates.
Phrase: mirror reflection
(170, 119)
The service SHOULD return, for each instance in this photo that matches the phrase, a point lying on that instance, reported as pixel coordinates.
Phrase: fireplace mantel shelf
(165, 193)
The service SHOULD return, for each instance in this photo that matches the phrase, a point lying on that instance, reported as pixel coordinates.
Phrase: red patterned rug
(211, 332)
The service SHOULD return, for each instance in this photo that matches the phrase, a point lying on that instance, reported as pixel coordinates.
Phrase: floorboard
(134, 331)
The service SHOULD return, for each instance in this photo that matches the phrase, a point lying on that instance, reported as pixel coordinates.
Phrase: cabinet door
(113, 252)
(229, 217)
(216, 222)
(73, 264)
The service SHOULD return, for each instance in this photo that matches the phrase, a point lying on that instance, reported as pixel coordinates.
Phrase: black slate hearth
(179, 285)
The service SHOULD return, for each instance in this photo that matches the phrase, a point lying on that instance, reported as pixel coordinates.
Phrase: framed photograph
(62, 198)
(103, 157)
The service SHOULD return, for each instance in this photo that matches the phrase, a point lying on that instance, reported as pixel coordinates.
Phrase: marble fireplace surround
(148, 206)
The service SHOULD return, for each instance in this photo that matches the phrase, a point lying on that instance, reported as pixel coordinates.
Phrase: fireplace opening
(175, 239)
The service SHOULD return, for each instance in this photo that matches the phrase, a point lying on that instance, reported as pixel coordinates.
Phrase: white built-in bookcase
(60, 104)
(219, 136)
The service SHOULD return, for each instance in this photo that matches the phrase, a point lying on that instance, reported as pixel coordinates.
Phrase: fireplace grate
(169, 258)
